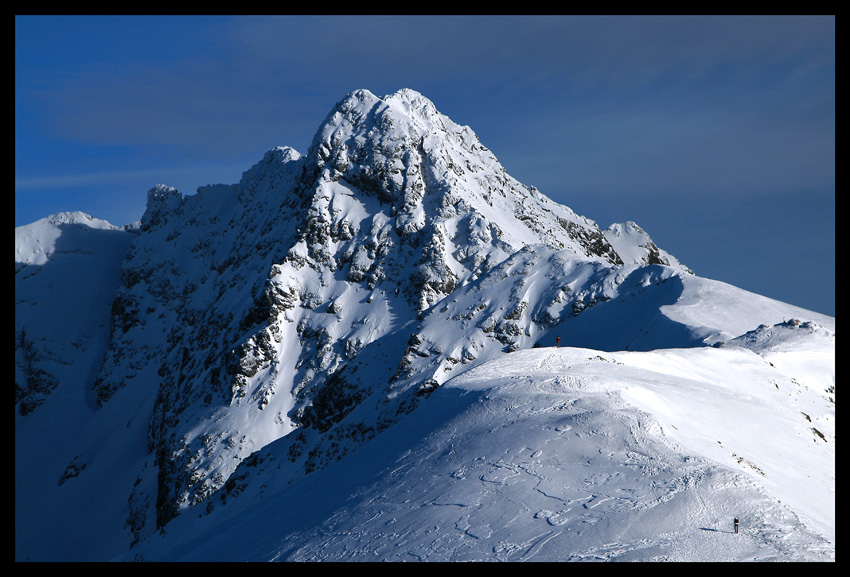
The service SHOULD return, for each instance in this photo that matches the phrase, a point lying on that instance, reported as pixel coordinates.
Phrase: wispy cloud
(35, 183)
(199, 174)
(268, 75)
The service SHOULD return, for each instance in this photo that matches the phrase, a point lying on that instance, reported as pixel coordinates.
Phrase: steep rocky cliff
(313, 301)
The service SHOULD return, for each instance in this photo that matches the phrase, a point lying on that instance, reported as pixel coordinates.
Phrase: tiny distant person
(558, 342)
(736, 525)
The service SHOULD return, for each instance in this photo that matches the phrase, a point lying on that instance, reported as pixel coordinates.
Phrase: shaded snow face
(67, 267)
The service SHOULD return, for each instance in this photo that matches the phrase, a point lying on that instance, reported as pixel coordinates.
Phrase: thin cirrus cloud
(109, 177)
(653, 104)
(275, 73)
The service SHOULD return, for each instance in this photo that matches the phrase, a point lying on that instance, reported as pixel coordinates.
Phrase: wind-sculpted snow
(253, 340)
(557, 454)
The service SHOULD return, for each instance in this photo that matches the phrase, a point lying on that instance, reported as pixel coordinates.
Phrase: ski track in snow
(533, 468)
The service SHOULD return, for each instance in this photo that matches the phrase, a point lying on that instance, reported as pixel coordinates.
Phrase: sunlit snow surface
(570, 454)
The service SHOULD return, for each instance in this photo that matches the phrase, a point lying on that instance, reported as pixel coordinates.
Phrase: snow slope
(564, 454)
(67, 269)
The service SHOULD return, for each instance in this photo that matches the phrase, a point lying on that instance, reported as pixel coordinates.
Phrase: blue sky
(714, 134)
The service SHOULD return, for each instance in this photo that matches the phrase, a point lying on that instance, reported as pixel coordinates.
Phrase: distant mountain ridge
(311, 306)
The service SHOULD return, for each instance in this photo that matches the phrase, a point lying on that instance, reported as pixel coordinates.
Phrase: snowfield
(566, 454)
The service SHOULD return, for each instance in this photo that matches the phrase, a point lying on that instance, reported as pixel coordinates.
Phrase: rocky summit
(271, 328)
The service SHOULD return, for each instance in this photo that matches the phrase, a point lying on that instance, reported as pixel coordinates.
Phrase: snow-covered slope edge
(67, 269)
(659, 307)
(565, 454)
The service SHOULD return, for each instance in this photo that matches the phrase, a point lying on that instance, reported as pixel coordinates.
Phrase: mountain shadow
(62, 311)
(634, 320)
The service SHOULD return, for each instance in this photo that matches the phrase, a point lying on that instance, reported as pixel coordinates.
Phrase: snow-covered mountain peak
(36, 242)
(441, 192)
(244, 338)
(790, 334)
(405, 113)
(635, 246)
(76, 217)
(387, 145)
